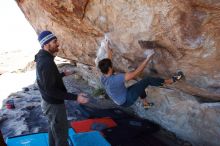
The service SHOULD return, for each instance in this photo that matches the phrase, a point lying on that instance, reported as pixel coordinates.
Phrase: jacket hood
(42, 54)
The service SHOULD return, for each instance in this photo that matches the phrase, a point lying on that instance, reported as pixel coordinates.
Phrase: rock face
(187, 36)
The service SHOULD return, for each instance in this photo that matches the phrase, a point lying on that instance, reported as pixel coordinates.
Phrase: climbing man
(114, 84)
(53, 91)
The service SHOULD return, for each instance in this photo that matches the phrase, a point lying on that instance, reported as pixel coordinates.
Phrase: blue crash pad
(38, 139)
(93, 138)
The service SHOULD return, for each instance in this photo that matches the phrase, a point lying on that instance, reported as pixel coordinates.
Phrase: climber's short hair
(104, 65)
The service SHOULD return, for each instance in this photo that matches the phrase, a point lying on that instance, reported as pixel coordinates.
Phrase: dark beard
(53, 51)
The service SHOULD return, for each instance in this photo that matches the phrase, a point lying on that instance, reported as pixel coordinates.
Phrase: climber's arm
(140, 68)
(136, 72)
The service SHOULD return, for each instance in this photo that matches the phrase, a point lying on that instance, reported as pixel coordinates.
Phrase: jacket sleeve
(49, 82)
(62, 74)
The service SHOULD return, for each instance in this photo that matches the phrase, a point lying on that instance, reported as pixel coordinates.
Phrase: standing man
(52, 90)
(114, 84)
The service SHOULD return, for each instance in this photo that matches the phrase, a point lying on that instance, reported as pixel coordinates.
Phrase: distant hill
(11, 60)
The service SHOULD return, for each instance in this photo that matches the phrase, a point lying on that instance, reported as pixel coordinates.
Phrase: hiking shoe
(178, 76)
(149, 105)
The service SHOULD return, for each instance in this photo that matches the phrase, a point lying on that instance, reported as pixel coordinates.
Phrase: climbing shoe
(178, 76)
(148, 105)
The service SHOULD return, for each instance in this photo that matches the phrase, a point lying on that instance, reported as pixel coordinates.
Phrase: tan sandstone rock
(187, 31)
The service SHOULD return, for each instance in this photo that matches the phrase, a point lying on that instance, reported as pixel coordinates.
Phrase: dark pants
(138, 89)
(2, 141)
(58, 124)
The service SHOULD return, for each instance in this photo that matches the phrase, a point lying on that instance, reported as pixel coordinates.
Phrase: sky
(18, 45)
(15, 30)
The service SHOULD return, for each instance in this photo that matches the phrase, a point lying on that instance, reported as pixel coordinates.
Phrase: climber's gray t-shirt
(115, 87)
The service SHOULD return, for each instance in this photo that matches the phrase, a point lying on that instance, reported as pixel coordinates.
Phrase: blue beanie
(45, 37)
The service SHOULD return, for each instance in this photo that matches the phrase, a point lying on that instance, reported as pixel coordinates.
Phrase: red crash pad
(86, 125)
